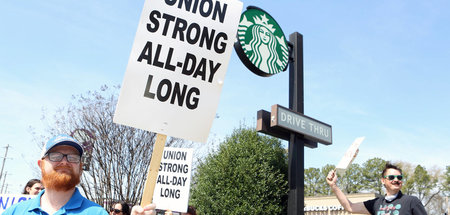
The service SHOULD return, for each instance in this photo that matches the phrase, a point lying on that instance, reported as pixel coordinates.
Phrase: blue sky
(378, 69)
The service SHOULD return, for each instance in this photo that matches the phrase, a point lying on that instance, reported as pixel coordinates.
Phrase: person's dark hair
(191, 210)
(390, 166)
(30, 183)
(125, 207)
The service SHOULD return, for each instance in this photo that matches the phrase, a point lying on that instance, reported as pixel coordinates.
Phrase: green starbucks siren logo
(261, 44)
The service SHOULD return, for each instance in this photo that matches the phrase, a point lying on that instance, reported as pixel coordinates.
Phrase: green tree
(434, 200)
(371, 174)
(351, 181)
(446, 184)
(408, 179)
(247, 175)
(423, 182)
(408, 183)
(312, 179)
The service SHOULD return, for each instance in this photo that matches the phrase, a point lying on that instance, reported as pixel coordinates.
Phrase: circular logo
(261, 44)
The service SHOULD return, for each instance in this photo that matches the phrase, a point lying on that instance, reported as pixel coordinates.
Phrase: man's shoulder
(409, 197)
(372, 204)
(377, 198)
(414, 204)
(90, 203)
(90, 206)
(79, 204)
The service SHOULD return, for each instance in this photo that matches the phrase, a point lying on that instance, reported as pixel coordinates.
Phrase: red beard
(60, 181)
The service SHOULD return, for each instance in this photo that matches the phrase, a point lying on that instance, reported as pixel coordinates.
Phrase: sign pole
(296, 142)
(280, 122)
(152, 174)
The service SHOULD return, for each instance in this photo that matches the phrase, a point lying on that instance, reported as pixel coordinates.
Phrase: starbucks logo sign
(261, 44)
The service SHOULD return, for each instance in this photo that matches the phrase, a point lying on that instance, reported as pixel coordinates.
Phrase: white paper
(349, 156)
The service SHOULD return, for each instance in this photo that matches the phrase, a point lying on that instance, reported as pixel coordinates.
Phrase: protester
(33, 187)
(120, 208)
(394, 202)
(61, 170)
(190, 211)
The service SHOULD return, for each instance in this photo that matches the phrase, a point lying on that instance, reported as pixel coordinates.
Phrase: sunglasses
(392, 177)
(116, 210)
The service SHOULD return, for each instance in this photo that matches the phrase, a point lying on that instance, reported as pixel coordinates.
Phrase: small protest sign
(349, 156)
(174, 179)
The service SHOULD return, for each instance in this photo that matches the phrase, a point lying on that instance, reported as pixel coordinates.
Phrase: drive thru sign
(177, 67)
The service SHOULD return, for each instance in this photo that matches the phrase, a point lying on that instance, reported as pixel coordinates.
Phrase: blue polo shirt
(77, 204)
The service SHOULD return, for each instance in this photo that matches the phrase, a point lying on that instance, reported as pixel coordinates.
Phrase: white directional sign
(299, 123)
(177, 66)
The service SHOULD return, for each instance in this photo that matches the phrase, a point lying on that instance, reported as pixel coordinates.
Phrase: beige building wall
(329, 205)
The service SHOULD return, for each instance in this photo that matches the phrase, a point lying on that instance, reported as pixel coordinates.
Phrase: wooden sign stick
(150, 182)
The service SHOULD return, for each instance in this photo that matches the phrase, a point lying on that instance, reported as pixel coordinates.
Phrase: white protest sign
(177, 66)
(6, 200)
(174, 179)
(349, 156)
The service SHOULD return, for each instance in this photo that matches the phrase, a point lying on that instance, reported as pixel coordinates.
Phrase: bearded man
(61, 170)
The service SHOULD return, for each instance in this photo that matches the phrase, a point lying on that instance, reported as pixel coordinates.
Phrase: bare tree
(119, 155)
